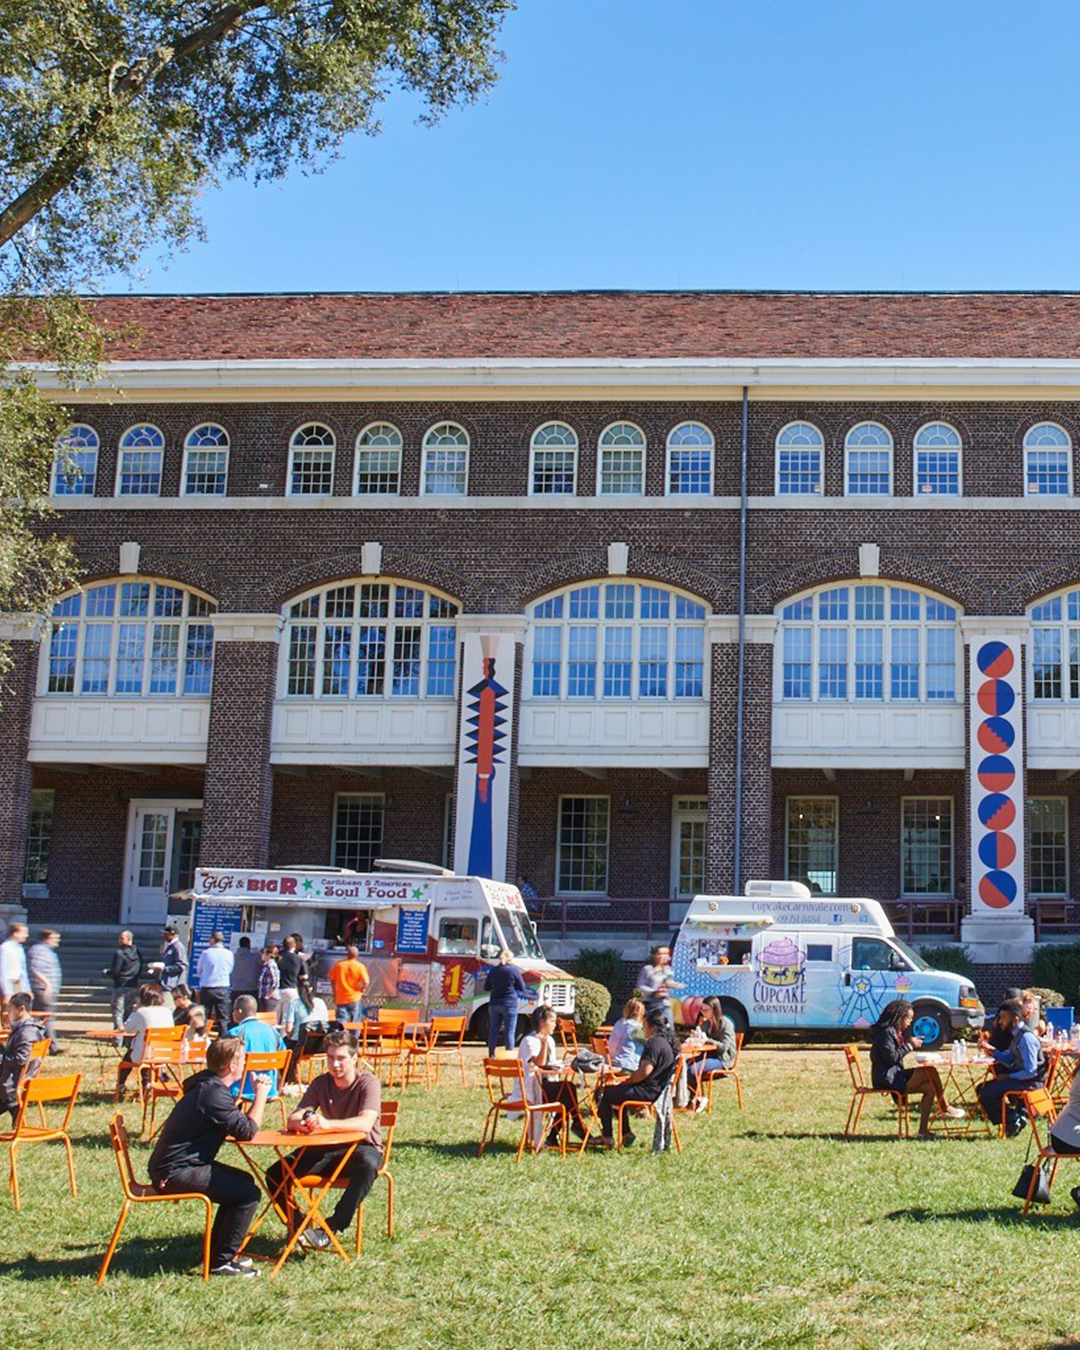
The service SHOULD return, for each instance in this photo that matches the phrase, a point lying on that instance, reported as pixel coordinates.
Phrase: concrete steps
(84, 953)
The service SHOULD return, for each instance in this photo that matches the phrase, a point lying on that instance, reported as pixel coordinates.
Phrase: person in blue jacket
(506, 985)
(1024, 1066)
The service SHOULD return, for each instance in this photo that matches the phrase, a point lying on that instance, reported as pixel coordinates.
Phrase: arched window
(1055, 647)
(130, 637)
(800, 452)
(621, 468)
(378, 461)
(75, 468)
(311, 461)
(370, 639)
(446, 461)
(553, 454)
(206, 461)
(871, 642)
(937, 460)
(1047, 461)
(138, 467)
(868, 461)
(690, 460)
(617, 640)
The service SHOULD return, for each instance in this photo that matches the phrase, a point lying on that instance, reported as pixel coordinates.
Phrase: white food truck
(783, 958)
(426, 936)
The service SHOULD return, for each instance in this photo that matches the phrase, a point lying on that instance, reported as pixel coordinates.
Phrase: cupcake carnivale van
(782, 958)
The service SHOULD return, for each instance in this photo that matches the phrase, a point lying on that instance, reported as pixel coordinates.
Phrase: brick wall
(16, 692)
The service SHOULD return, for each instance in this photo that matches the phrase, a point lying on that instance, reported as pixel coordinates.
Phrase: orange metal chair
(38, 1053)
(1021, 1096)
(502, 1076)
(1039, 1105)
(388, 1117)
(434, 1051)
(153, 1036)
(716, 1075)
(861, 1090)
(40, 1091)
(138, 1193)
(567, 1030)
(383, 1043)
(648, 1110)
(166, 1063)
(270, 1018)
(266, 1061)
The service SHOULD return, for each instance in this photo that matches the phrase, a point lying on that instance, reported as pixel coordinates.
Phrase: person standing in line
(292, 968)
(46, 977)
(16, 1053)
(506, 986)
(349, 979)
(185, 1156)
(655, 982)
(246, 966)
(172, 969)
(124, 974)
(269, 978)
(14, 976)
(213, 970)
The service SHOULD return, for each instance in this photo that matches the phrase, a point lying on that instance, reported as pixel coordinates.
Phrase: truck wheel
(478, 1027)
(737, 1015)
(931, 1025)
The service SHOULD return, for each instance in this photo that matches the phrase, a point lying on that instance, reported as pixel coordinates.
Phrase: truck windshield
(517, 934)
(912, 955)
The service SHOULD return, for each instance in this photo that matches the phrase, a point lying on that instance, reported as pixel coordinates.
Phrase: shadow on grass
(861, 1138)
(178, 1255)
(1059, 1345)
(996, 1214)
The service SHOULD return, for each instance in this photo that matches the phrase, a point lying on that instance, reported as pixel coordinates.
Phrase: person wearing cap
(172, 969)
(213, 970)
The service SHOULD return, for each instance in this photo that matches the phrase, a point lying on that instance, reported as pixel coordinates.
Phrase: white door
(689, 819)
(148, 877)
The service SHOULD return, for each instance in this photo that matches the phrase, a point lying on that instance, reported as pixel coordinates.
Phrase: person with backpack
(652, 1075)
(1024, 1066)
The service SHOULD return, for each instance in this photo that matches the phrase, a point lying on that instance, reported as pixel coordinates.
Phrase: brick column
(239, 785)
(757, 753)
(20, 635)
(486, 787)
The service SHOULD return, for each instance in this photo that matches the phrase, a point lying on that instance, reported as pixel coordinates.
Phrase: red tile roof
(596, 324)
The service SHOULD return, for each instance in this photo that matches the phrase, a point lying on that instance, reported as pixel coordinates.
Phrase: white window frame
(1064, 627)
(62, 449)
(533, 448)
(916, 450)
(1044, 797)
(577, 797)
(293, 447)
(1067, 449)
(601, 449)
(812, 797)
(929, 895)
(122, 450)
(689, 422)
(819, 491)
(636, 624)
(358, 449)
(466, 449)
(848, 448)
(188, 448)
(887, 625)
(682, 810)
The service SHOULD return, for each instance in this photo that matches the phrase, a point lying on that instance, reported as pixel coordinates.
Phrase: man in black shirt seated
(648, 1080)
(184, 1158)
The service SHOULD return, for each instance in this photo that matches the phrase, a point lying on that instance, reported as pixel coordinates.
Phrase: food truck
(426, 936)
(780, 957)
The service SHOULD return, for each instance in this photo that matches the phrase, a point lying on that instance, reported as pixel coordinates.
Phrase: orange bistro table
(309, 1202)
(101, 1038)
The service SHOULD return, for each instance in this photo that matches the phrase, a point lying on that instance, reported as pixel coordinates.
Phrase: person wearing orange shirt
(349, 978)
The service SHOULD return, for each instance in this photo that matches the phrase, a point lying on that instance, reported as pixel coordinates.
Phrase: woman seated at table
(308, 1016)
(150, 1011)
(714, 1026)
(1065, 1131)
(543, 1077)
(890, 1046)
(627, 1039)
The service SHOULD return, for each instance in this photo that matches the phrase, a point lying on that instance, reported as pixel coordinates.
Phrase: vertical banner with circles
(997, 778)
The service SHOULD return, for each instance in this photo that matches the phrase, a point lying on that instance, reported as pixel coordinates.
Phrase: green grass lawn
(768, 1231)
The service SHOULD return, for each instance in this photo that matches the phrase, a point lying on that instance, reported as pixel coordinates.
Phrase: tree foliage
(115, 115)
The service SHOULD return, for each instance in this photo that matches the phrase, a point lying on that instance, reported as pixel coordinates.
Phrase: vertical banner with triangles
(482, 802)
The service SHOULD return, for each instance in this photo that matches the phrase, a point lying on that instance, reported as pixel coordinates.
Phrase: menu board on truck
(210, 918)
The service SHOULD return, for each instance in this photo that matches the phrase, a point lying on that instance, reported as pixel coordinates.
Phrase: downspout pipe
(740, 681)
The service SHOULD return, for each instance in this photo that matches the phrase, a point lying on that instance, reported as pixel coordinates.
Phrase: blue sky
(847, 144)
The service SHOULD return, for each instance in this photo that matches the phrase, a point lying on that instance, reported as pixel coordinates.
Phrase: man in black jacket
(124, 975)
(24, 1032)
(184, 1158)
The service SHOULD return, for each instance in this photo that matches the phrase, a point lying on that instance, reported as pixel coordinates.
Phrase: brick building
(754, 585)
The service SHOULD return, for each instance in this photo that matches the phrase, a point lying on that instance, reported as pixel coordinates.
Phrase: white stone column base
(1009, 940)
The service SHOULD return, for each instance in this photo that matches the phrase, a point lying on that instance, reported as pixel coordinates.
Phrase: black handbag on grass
(1041, 1195)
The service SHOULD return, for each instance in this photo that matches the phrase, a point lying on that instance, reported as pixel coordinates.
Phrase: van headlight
(968, 997)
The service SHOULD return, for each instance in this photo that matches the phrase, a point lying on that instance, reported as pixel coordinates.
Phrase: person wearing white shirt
(544, 1081)
(214, 973)
(14, 976)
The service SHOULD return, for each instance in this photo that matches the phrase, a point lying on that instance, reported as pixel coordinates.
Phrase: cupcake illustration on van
(903, 986)
(780, 963)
